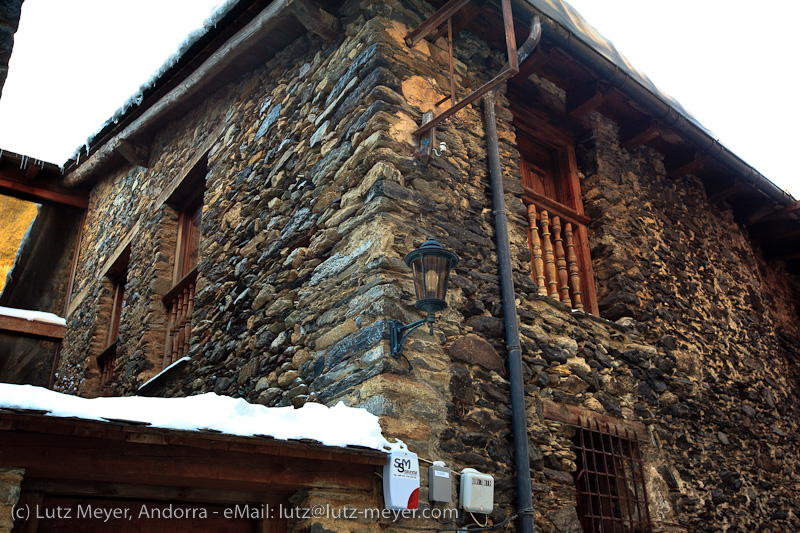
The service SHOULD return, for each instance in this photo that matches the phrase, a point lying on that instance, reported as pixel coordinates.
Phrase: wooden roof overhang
(244, 39)
(37, 181)
(128, 460)
(591, 81)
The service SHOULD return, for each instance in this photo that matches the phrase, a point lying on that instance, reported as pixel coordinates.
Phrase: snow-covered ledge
(333, 426)
(36, 323)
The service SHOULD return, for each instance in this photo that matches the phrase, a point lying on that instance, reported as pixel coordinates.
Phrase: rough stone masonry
(313, 196)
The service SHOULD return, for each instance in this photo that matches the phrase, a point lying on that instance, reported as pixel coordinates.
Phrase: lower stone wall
(10, 483)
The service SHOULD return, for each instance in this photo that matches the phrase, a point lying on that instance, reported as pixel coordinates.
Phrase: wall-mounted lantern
(431, 266)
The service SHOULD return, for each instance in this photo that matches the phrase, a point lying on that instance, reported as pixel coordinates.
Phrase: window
(179, 301)
(117, 274)
(557, 234)
(609, 479)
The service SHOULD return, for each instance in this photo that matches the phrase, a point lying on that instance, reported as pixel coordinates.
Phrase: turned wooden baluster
(536, 262)
(170, 332)
(572, 261)
(549, 260)
(177, 339)
(561, 261)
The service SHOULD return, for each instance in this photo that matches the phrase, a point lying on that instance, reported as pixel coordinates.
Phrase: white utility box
(401, 480)
(477, 491)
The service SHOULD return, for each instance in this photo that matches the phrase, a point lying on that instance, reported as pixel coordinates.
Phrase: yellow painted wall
(15, 217)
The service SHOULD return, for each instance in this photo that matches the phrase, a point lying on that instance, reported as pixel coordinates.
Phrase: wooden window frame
(116, 272)
(186, 197)
(533, 130)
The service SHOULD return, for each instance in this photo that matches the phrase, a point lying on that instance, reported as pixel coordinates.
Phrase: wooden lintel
(135, 154)
(569, 414)
(50, 191)
(677, 167)
(586, 98)
(31, 328)
(638, 133)
(316, 19)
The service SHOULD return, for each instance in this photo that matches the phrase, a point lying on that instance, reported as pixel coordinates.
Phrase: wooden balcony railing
(107, 361)
(179, 303)
(555, 264)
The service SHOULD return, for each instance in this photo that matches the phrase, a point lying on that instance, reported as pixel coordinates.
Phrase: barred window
(610, 479)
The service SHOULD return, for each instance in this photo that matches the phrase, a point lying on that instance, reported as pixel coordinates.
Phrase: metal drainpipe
(518, 412)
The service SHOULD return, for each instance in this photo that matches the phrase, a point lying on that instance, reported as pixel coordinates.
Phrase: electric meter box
(401, 480)
(440, 483)
(477, 491)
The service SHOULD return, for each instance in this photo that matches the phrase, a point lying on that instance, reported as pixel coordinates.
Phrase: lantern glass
(431, 266)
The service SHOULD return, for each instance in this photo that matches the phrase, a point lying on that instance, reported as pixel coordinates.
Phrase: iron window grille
(610, 480)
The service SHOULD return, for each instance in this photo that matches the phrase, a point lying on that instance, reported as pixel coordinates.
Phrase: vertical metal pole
(518, 413)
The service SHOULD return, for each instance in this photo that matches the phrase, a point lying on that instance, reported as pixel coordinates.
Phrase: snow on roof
(333, 426)
(136, 98)
(33, 316)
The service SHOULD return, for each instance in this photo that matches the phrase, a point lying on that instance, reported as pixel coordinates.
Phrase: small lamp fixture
(431, 266)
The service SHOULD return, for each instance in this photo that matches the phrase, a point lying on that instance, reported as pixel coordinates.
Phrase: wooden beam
(13, 183)
(679, 166)
(94, 458)
(586, 98)
(533, 63)
(772, 213)
(569, 414)
(244, 42)
(315, 19)
(771, 235)
(31, 328)
(146, 492)
(638, 133)
(31, 171)
(135, 154)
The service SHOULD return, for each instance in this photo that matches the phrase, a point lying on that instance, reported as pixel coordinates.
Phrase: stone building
(248, 219)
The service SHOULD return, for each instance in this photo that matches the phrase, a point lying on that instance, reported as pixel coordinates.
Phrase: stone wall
(313, 196)
(10, 481)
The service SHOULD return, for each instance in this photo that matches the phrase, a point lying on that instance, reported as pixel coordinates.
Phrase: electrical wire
(483, 528)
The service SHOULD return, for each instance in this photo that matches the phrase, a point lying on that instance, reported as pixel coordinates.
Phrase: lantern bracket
(398, 333)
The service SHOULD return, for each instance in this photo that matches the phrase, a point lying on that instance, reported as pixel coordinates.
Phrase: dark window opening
(610, 480)
(107, 360)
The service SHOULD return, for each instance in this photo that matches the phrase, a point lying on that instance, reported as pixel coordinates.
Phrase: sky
(728, 62)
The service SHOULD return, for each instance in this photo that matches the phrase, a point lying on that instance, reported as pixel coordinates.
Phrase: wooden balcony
(179, 303)
(560, 263)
